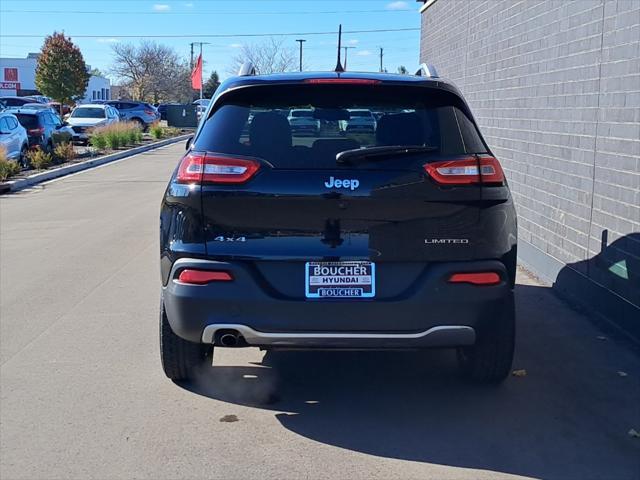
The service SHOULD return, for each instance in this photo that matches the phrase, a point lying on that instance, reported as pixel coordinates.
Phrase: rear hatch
(403, 196)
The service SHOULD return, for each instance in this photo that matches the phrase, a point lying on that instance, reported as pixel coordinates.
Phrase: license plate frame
(341, 284)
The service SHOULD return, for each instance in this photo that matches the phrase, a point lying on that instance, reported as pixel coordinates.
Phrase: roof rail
(246, 69)
(427, 70)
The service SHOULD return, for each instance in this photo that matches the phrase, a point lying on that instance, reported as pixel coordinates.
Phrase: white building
(17, 77)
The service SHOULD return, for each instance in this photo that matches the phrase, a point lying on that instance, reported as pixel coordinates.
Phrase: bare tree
(270, 56)
(152, 72)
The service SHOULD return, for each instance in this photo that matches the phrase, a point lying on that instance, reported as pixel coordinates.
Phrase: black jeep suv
(400, 238)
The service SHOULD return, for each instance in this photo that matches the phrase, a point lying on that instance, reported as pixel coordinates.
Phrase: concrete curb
(36, 178)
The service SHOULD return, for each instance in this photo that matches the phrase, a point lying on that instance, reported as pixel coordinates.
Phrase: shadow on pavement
(568, 418)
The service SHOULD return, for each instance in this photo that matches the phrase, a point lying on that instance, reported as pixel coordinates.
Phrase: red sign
(10, 74)
(9, 85)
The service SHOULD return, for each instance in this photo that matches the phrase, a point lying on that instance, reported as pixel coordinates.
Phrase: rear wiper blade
(359, 154)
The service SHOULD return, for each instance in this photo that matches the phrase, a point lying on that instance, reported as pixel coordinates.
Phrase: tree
(211, 85)
(152, 72)
(268, 57)
(61, 72)
(403, 70)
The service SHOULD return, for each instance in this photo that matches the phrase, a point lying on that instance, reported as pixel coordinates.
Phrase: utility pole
(301, 41)
(191, 62)
(381, 55)
(346, 51)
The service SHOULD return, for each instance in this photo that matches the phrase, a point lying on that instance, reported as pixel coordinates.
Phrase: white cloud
(161, 7)
(236, 45)
(107, 40)
(364, 53)
(398, 6)
(353, 42)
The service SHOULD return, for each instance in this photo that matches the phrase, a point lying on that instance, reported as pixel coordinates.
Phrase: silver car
(13, 137)
(85, 117)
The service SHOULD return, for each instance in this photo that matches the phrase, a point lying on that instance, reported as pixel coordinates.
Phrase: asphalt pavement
(82, 393)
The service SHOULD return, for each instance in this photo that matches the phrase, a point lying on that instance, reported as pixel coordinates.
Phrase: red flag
(196, 75)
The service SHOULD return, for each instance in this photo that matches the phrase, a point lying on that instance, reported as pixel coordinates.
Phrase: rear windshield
(88, 112)
(254, 122)
(27, 121)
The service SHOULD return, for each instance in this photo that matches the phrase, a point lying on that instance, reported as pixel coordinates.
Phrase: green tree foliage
(61, 72)
(211, 85)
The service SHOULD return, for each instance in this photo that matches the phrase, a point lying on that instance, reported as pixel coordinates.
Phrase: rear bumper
(431, 313)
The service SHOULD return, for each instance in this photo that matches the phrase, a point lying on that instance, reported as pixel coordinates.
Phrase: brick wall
(555, 87)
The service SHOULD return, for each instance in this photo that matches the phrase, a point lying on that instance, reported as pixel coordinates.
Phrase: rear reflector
(343, 81)
(466, 171)
(476, 278)
(199, 167)
(202, 277)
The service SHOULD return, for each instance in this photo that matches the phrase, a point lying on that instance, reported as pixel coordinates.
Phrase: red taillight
(35, 131)
(202, 277)
(344, 81)
(150, 112)
(476, 278)
(211, 168)
(465, 171)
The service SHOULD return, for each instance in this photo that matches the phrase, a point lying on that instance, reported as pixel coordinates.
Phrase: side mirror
(188, 143)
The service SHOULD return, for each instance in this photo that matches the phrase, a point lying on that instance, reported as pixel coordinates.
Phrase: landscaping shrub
(156, 130)
(8, 167)
(98, 140)
(39, 159)
(113, 138)
(64, 152)
(115, 135)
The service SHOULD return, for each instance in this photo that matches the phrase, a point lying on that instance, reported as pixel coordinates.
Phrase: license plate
(340, 279)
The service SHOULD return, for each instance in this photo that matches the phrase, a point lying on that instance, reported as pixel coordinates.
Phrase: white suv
(85, 117)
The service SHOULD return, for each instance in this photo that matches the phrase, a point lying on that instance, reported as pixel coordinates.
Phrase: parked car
(301, 121)
(34, 106)
(66, 109)
(85, 117)
(9, 101)
(201, 107)
(140, 112)
(359, 121)
(44, 128)
(40, 98)
(404, 239)
(13, 137)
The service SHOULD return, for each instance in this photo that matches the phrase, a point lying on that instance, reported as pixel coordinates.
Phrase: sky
(178, 23)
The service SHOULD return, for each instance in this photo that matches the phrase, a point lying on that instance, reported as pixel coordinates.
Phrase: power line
(221, 35)
(103, 12)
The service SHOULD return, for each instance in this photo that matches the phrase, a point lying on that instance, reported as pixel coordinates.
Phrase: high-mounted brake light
(484, 170)
(476, 278)
(344, 81)
(197, 167)
(202, 277)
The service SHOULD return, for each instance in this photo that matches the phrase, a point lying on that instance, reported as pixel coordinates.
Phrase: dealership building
(18, 76)
(555, 88)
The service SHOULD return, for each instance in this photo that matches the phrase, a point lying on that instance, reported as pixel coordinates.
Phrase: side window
(4, 126)
(470, 136)
(46, 117)
(55, 120)
(13, 123)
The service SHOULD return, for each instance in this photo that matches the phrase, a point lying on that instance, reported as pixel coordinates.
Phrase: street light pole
(346, 51)
(300, 41)
(381, 55)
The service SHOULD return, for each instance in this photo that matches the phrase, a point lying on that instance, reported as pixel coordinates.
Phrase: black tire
(140, 123)
(23, 160)
(489, 360)
(179, 357)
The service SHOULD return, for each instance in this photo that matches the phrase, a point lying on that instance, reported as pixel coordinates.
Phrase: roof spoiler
(247, 69)
(427, 70)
